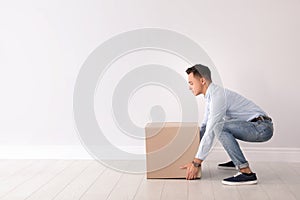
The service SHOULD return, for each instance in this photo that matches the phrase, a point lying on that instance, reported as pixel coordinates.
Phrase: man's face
(195, 84)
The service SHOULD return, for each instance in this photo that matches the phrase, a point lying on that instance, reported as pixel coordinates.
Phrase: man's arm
(217, 109)
(204, 121)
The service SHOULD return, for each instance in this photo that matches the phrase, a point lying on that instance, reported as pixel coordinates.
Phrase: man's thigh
(247, 131)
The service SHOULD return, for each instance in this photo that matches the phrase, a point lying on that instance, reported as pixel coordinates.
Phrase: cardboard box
(170, 145)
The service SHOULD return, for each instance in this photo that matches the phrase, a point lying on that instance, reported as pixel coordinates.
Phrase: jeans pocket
(265, 131)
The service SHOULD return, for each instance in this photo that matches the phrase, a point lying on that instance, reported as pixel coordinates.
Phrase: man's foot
(228, 165)
(241, 179)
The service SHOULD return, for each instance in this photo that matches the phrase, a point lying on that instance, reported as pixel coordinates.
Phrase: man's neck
(206, 87)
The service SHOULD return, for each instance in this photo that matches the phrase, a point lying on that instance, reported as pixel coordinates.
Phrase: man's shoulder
(218, 88)
(227, 93)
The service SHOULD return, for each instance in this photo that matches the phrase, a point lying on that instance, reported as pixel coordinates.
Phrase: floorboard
(90, 180)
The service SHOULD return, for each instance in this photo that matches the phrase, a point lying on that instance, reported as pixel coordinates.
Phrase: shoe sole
(227, 168)
(240, 183)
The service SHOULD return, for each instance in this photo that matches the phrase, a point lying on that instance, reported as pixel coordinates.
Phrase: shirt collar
(208, 91)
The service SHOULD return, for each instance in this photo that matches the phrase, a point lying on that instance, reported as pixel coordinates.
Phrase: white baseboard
(265, 154)
(78, 152)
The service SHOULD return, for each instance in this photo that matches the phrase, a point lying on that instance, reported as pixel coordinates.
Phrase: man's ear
(203, 81)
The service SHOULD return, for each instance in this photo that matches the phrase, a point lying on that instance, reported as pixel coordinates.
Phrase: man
(228, 117)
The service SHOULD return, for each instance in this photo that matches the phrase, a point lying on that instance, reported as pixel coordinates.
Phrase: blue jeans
(229, 131)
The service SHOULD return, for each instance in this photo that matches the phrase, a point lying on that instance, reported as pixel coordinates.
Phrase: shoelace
(237, 174)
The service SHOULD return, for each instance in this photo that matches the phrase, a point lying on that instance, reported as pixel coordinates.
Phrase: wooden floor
(88, 180)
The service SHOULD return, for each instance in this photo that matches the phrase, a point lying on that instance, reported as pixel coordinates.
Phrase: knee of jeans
(218, 128)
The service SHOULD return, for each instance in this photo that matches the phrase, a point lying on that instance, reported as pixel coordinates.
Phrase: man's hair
(200, 71)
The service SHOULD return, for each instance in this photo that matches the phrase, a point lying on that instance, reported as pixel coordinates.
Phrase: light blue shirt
(223, 104)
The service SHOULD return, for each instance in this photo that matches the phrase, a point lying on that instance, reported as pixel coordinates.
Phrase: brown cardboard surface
(170, 145)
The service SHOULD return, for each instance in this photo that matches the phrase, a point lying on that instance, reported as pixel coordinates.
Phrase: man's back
(239, 107)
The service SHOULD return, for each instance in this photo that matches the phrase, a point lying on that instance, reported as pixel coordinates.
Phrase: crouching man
(228, 117)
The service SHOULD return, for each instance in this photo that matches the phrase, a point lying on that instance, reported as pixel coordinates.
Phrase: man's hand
(191, 171)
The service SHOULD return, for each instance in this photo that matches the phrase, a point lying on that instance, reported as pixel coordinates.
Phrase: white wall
(255, 46)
